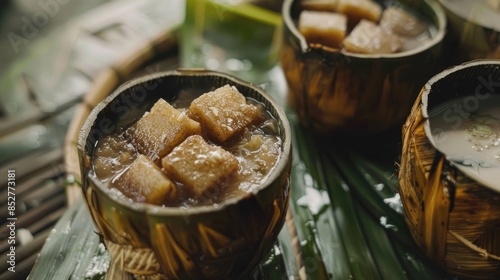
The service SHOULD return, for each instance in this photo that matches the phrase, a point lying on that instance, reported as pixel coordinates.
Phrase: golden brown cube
(223, 113)
(323, 28)
(357, 10)
(144, 181)
(369, 38)
(161, 130)
(199, 166)
(319, 5)
(396, 20)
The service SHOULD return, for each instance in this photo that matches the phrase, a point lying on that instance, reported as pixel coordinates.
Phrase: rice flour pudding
(196, 151)
(362, 26)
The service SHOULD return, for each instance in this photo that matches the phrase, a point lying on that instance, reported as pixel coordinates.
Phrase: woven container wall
(454, 219)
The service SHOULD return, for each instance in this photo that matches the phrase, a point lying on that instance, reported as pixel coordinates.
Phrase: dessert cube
(323, 28)
(161, 130)
(319, 5)
(199, 165)
(369, 38)
(223, 113)
(357, 10)
(144, 181)
(396, 20)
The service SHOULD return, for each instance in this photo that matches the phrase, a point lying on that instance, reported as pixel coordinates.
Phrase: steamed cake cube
(396, 20)
(323, 28)
(198, 165)
(319, 5)
(223, 113)
(143, 181)
(369, 38)
(357, 10)
(161, 130)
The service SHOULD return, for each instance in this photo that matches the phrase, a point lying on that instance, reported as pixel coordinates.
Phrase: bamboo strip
(436, 207)
(484, 253)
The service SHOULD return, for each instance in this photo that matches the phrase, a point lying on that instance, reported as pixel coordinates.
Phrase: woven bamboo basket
(226, 241)
(159, 54)
(332, 90)
(452, 207)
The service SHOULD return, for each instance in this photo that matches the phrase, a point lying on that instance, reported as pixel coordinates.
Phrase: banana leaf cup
(224, 241)
(333, 90)
(449, 178)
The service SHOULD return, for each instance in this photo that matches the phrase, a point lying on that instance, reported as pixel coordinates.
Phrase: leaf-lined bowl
(222, 241)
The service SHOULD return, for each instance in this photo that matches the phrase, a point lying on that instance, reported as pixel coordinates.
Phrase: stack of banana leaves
(345, 220)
